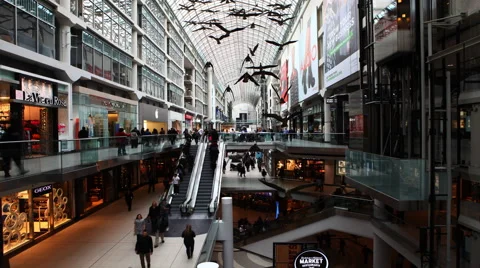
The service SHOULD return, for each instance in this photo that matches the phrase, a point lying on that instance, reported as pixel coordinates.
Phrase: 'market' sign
(311, 259)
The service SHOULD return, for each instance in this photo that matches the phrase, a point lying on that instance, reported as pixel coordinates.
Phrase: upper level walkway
(106, 239)
(85, 156)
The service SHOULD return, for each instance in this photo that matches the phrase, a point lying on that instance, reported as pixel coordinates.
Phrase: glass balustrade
(293, 139)
(402, 179)
(54, 157)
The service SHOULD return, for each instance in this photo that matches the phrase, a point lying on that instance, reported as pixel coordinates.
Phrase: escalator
(180, 197)
(204, 193)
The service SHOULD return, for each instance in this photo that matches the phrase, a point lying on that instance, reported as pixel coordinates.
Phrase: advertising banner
(284, 84)
(308, 59)
(293, 76)
(341, 40)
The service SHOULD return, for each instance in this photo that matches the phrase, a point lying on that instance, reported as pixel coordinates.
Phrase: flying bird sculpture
(252, 51)
(279, 6)
(247, 59)
(281, 22)
(246, 77)
(187, 8)
(284, 120)
(281, 100)
(228, 89)
(280, 46)
(203, 28)
(226, 31)
(253, 25)
(261, 71)
(207, 65)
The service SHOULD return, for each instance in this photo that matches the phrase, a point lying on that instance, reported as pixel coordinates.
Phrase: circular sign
(311, 259)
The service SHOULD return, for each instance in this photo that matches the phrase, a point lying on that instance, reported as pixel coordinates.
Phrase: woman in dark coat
(188, 240)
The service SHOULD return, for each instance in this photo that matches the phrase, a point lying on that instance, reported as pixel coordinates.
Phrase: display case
(341, 165)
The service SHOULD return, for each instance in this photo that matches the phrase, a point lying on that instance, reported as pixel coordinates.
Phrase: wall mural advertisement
(284, 85)
(293, 76)
(307, 53)
(341, 40)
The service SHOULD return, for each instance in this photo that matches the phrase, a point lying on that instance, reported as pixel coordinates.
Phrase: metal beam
(454, 49)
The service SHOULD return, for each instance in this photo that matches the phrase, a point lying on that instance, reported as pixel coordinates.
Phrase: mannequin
(90, 124)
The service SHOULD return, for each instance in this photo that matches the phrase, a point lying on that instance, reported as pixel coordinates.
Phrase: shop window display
(95, 192)
(16, 227)
(61, 204)
(41, 214)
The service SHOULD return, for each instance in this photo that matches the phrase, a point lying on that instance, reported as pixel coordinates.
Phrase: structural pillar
(381, 253)
(226, 232)
(211, 95)
(65, 43)
(327, 119)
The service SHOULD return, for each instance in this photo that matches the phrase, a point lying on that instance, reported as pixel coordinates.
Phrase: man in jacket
(154, 215)
(144, 248)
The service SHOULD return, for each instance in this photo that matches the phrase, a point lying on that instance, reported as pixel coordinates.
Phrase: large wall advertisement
(308, 60)
(293, 75)
(284, 85)
(341, 40)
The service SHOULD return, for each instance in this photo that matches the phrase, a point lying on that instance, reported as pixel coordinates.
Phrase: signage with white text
(39, 191)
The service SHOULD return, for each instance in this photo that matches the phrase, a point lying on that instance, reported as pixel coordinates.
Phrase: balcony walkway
(105, 239)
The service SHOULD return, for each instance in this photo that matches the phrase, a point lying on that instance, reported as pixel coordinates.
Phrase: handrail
(200, 155)
(209, 243)
(168, 196)
(193, 199)
(217, 180)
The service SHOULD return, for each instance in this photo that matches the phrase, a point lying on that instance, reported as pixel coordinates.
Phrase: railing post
(226, 232)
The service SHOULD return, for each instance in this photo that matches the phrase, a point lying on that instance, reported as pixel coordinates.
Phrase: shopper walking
(188, 240)
(154, 215)
(11, 151)
(176, 184)
(139, 226)
(121, 141)
(144, 248)
(134, 135)
(129, 199)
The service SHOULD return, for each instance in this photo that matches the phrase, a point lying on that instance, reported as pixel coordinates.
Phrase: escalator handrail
(168, 196)
(217, 179)
(198, 176)
(193, 176)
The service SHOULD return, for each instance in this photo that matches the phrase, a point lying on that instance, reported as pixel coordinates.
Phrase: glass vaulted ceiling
(228, 56)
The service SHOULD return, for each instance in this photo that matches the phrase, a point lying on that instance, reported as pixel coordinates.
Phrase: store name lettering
(36, 98)
(42, 189)
(113, 104)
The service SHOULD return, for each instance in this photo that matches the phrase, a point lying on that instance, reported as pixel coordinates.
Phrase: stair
(204, 193)
(180, 198)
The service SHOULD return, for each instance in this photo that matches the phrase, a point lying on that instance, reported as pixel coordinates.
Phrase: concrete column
(327, 119)
(329, 171)
(135, 44)
(381, 253)
(66, 4)
(379, 210)
(211, 95)
(226, 232)
(135, 12)
(135, 77)
(65, 43)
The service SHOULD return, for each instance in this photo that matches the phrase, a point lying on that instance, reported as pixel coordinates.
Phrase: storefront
(308, 168)
(102, 114)
(198, 122)
(35, 107)
(313, 118)
(176, 120)
(153, 117)
(31, 214)
(188, 121)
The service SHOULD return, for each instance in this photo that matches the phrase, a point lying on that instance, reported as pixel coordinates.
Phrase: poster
(284, 85)
(293, 75)
(308, 59)
(341, 40)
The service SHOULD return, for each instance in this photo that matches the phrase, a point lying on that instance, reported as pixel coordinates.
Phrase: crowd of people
(248, 162)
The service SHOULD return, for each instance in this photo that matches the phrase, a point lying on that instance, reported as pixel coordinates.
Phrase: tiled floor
(105, 239)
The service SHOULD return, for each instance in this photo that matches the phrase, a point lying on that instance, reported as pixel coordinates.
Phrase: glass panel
(29, 6)
(7, 26)
(46, 15)
(46, 39)
(27, 31)
(98, 63)
(116, 71)
(88, 12)
(123, 74)
(16, 227)
(107, 67)
(98, 18)
(88, 58)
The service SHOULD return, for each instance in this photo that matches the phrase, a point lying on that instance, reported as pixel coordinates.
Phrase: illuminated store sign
(42, 190)
(39, 92)
(311, 259)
